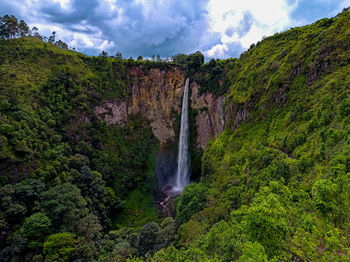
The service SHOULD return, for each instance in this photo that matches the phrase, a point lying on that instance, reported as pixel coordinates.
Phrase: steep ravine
(155, 95)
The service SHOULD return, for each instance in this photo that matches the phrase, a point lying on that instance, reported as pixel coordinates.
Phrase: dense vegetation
(66, 176)
(212, 76)
(277, 186)
(10, 28)
(274, 187)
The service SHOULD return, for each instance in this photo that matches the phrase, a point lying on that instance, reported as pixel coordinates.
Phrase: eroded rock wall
(210, 116)
(156, 96)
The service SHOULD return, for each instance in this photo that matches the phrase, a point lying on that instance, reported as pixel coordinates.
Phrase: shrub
(279, 169)
(191, 201)
(324, 196)
(345, 108)
(266, 223)
(253, 252)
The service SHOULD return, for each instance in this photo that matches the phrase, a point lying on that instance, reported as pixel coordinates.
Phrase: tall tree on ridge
(23, 28)
(52, 38)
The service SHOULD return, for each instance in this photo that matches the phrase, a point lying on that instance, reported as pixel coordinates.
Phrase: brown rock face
(156, 96)
(112, 112)
(236, 114)
(210, 118)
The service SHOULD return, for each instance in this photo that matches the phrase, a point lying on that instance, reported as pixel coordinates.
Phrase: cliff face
(156, 96)
(210, 116)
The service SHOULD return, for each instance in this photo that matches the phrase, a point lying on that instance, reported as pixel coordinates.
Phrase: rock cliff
(155, 95)
(210, 116)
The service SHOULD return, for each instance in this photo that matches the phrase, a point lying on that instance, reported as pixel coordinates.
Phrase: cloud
(343, 4)
(218, 28)
(134, 27)
(164, 27)
(241, 23)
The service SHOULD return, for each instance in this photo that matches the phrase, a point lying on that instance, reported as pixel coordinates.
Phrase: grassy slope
(279, 184)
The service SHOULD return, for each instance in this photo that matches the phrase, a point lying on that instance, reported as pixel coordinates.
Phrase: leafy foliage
(275, 185)
(191, 201)
(62, 168)
(59, 247)
(278, 179)
(36, 228)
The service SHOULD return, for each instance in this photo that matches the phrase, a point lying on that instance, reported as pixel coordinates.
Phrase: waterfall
(183, 159)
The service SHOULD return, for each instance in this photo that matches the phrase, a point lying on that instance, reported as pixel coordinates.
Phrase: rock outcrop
(210, 117)
(156, 96)
(112, 112)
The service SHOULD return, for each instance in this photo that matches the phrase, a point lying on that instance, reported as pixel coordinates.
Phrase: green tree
(191, 201)
(179, 58)
(88, 226)
(253, 252)
(266, 223)
(119, 55)
(59, 247)
(304, 244)
(28, 191)
(35, 33)
(345, 107)
(103, 54)
(168, 231)
(35, 229)
(23, 28)
(324, 194)
(16, 244)
(93, 186)
(61, 44)
(10, 26)
(12, 209)
(193, 62)
(279, 169)
(52, 38)
(63, 204)
(212, 63)
(148, 238)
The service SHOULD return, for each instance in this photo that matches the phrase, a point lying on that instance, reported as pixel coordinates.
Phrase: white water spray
(183, 159)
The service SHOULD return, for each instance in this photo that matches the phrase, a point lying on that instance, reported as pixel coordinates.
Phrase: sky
(217, 28)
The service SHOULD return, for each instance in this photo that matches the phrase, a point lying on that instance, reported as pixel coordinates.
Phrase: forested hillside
(65, 173)
(274, 186)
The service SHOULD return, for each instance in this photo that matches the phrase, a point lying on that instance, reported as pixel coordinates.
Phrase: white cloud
(218, 28)
(345, 3)
(105, 45)
(81, 40)
(65, 4)
(248, 20)
(342, 5)
(112, 4)
(218, 50)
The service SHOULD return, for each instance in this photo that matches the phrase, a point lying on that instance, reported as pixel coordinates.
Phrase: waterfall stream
(183, 159)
